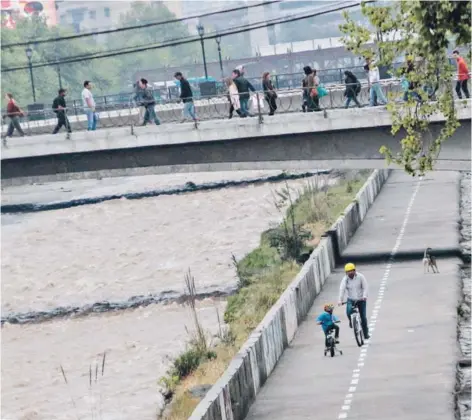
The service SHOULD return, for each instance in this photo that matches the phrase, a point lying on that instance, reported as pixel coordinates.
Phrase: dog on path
(429, 260)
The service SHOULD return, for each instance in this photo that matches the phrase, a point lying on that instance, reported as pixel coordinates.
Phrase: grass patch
(263, 275)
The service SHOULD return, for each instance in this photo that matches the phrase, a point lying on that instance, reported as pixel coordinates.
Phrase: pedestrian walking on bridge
(14, 112)
(353, 88)
(244, 86)
(462, 75)
(408, 73)
(89, 105)
(148, 101)
(310, 84)
(269, 92)
(59, 108)
(186, 95)
(233, 97)
(376, 92)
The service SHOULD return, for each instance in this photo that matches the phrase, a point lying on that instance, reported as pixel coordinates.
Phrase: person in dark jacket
(353, 88)
(407, 72)
(138, 98)
(148, 101)
(269, 92)
(244, 86)
(304, 96)
(59, 107)
(186, 95)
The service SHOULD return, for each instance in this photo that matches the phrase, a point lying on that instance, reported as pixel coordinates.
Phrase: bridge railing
(211, 108)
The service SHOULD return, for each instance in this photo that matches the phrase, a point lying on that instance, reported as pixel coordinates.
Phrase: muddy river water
(114, 250)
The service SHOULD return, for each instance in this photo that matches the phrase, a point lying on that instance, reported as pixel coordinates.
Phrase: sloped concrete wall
(233, 394)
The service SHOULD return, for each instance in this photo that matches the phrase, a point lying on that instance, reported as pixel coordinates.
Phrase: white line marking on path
(378, 304)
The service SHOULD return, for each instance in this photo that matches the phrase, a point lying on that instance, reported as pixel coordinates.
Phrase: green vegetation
(103, 73)
(422, 31)
(263, 275)
(141, 13)
(112, 74)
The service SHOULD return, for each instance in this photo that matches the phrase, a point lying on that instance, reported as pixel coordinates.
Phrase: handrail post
(130, 113)
(261, 118)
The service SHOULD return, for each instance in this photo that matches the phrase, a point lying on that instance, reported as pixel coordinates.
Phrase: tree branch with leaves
(422, 31)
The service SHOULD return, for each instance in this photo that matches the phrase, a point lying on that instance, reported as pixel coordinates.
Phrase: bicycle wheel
(331, 351)
(356, 325)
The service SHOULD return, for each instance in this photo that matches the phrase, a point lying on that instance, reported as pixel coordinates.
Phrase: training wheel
(341, 352)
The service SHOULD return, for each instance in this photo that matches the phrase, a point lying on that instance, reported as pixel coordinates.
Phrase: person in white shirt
(355, 286)
(89, 106)
(374, 81)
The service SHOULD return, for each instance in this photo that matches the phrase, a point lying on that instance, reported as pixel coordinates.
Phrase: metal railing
(166, 94)
(212, 108)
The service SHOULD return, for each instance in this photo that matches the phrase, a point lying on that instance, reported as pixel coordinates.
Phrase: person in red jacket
(14, 112)
(462, 75)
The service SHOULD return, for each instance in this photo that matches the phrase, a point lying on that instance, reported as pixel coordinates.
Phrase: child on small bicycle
(328, 322)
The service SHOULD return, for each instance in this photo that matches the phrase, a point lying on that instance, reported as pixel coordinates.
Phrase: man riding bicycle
(355, 286)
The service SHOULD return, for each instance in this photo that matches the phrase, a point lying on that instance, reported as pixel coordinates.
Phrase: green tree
(103, 73)
(141, 13)
(422, 30)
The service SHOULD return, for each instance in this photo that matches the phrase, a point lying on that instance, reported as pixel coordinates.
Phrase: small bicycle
(356, 323)
(331, 342)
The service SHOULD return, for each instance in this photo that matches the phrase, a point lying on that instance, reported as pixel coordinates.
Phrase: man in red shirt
(462, 75)
(13, 112)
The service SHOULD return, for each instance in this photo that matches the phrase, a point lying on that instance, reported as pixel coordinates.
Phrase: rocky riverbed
(463, 386)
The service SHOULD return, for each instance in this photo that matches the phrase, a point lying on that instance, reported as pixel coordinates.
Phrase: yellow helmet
(349, 267)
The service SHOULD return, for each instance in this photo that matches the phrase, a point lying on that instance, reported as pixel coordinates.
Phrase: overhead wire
(187, 40)
(220, 32)
(134, 27)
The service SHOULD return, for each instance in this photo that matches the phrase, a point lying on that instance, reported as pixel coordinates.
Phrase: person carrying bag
(311, 82)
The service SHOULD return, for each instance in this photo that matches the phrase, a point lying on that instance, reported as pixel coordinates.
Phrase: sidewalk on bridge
(407, 370)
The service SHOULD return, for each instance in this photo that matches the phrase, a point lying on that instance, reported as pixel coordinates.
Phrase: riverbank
(263, 275)
(99, 255)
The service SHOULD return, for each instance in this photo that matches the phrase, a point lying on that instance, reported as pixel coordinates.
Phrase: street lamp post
(58, 68)
(201, 32)
(29, 53)
(59, 76)
(218, 41)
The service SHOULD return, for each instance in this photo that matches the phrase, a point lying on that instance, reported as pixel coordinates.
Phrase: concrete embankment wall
(233, 394)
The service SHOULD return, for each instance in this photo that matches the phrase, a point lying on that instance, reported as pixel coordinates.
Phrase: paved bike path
(407, 369)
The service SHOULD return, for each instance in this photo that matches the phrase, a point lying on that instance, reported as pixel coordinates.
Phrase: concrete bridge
(348, 139)
(170, 112)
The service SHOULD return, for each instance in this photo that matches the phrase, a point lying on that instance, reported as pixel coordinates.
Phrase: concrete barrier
(233, 394)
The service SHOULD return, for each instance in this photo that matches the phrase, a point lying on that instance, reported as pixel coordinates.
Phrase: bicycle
(356, 323)
(331, 341)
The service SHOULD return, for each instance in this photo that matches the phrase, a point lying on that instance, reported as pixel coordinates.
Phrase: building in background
(12, 10)
(253, 42)
(89, 16)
